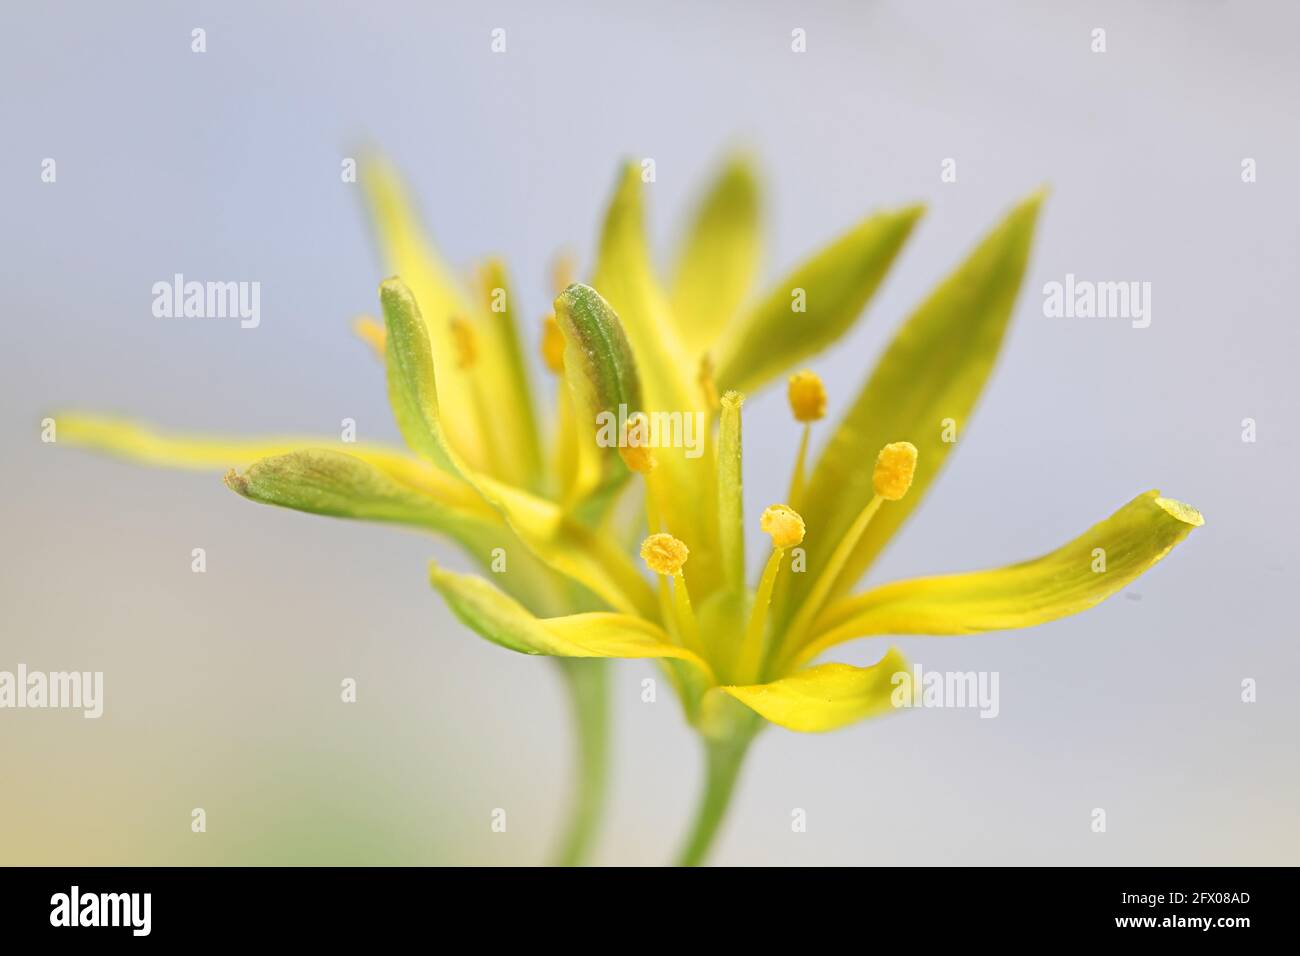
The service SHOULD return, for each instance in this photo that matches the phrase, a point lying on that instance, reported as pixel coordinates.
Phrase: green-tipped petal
(825, 697)
(934, 370)
(600, 373)
(719, 258)
(832, 288)
(556, 538)
(1073, 578)
(147, 445)
(326, 482)
(503, 621)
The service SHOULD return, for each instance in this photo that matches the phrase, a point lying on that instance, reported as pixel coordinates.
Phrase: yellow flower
(626, 345)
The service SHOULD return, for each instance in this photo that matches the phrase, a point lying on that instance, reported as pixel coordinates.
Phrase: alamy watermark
(179, 299)
(922, 688)
(1083, 299)
(71, 690)
(651, 430)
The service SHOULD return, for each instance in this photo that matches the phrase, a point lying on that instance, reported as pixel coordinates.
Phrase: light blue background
(222, 688)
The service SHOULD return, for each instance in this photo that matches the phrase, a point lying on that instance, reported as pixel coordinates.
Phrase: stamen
(666, 555)
(784, 524)
(731, 498)
(807, 396)
(466, 346)
(786, 527)
(895, 466)
(552, 345)
(634, 448)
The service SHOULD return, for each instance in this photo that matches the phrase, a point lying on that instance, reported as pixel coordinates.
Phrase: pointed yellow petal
(814, 305)
(601, 376)
(1073, 578)
(668, 373)
(825, 697)
(502, 375)
(150, 446)
(407, 251)
(503, 621)
(929, 378)
(719, 258)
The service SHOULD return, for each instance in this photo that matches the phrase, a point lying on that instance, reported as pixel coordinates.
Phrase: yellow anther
(895, 466)
(664, 554)
(784, 524)
(462, 337)
(634, 448)
(552, 345)
(807, 396)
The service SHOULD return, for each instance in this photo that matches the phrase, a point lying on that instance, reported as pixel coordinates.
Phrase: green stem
(723, 760)
(588, 683)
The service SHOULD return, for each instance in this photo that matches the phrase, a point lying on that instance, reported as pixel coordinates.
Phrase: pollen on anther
(784, 524)
(807, 396)
(664, 554)
(552, 345)
(466, 347)
(634, 448)
(895, 466)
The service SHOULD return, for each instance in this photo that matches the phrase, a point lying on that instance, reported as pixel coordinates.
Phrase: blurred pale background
(222, 688)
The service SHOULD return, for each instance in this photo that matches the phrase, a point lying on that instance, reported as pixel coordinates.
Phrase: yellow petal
(668, 374)
(719, 258)
(502, 376)
(407, 251)
(825, 697)
(133, 441)
(504, 621)
(1073, 578)
(814, 305)
(921, 391)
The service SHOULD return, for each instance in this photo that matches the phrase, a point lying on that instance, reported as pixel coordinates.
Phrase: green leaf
(719, 258)
(832, 288)
(934, 369)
